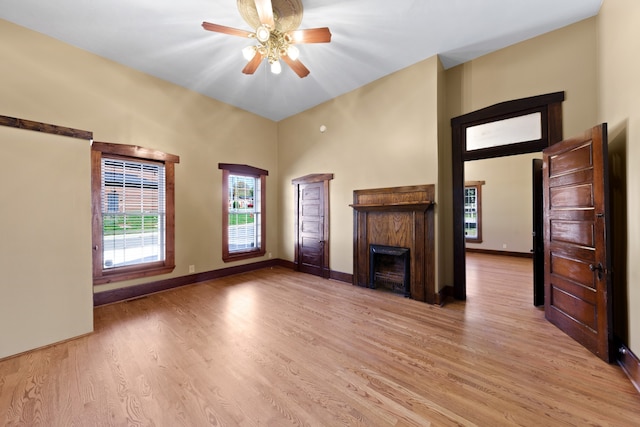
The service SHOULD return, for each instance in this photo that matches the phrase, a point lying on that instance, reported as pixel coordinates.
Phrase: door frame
(538, 233)
(309, 179)
(550, 107)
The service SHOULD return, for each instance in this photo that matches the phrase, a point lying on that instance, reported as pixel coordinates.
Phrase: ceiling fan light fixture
(293, 52)
(249, 52)
(276, 68)
(263, 33)
(275, 24)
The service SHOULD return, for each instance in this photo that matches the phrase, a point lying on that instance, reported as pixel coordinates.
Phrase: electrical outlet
(504, 246)
(269, 255)
(192, 269)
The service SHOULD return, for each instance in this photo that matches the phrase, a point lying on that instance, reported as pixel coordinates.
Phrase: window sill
(129, 273)
(243, 255)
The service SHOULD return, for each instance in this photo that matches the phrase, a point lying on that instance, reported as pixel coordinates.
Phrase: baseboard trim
(138, 291)
(441, 297)
(44, 347)
(630, 365)
(287, 264)
(341, 277)
(503, 253)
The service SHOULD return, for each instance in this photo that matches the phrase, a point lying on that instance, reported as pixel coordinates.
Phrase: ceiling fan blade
(311, 35)
(225, 30)
(297, 66)
(252, 65)
(265, 12)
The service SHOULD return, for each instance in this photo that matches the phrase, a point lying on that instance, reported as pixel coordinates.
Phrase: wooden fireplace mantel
(401, 217)
(405, 206)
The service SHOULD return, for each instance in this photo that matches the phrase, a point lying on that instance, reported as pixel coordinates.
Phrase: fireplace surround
(400, 217)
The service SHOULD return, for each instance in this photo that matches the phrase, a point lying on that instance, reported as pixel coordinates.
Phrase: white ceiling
(371, 39)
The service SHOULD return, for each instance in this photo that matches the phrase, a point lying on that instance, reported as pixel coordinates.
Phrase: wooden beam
(45, 127)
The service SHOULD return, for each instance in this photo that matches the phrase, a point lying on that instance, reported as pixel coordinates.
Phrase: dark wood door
(311, 233)
(538, 234)
(577, 265)
(312, 224)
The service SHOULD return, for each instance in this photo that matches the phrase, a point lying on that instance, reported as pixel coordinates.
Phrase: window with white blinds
(244, 213)
(133, 212)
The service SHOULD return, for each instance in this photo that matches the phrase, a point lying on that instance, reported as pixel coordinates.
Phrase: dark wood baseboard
(286, 264)
(138, 291)
(630, 365)
(503, 253)
(341, 277)
(441, 297)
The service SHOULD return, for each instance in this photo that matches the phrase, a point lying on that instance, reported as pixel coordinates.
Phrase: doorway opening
(505, 218)
(540, 117)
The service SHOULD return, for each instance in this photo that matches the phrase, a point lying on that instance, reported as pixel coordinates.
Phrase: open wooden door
(312, 224)
(577, 251)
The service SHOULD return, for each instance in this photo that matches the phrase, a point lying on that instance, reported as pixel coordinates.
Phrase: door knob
(597, 268)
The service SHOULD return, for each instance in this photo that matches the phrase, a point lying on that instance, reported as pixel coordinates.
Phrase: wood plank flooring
(279, 348)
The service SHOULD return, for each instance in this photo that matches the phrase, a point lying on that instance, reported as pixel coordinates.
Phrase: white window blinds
(244, 213)
(133, 212)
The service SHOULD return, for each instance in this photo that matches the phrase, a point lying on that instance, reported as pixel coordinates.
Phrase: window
(133, 212)
(243, 211)
(473, 211)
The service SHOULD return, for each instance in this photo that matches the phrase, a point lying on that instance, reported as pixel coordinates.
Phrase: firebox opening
(389, 269)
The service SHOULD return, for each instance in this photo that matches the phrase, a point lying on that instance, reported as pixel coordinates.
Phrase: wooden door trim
(309, 179)
(538, 233)
(314, 177)
(550, 105)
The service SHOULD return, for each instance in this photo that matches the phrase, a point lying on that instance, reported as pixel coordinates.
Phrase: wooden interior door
(312, 224)
(577, 254)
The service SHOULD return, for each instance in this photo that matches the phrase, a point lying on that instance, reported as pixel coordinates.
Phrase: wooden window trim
(237, 169)
(136, 153)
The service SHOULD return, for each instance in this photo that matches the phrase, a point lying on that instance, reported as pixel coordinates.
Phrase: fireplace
(396, 217)
(389, 269)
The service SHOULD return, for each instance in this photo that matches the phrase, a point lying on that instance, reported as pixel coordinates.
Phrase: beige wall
(48, 81)
(381, 135)
(45, 234)
(563, 60)
(507, 202)
(619, 92)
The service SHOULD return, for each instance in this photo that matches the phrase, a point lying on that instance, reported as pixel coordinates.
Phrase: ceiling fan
(276, 32)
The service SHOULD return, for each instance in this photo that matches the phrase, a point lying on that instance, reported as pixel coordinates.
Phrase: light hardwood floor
(278, 348)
